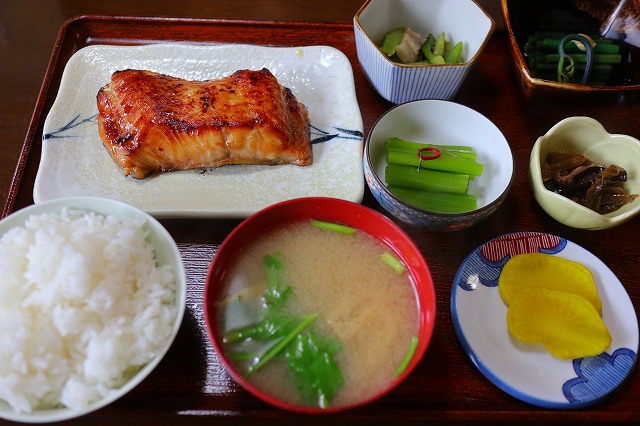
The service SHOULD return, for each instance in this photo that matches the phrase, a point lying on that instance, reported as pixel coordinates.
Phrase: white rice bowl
(92, 295)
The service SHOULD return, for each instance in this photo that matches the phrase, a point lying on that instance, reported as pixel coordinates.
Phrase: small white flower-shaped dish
(586, 136)
(461, 20)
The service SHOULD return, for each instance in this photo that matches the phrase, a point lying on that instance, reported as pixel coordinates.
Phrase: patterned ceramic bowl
(586, 136)
(461, 20)
(439, 122)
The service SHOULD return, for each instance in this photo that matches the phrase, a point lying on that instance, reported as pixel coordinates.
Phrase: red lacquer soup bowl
(386, 235)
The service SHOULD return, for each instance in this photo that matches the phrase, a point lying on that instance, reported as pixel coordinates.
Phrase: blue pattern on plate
(480, 270)
(318, 135)
(75, 122)
(598, 375)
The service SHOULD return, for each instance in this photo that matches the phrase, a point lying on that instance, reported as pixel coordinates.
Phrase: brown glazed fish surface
(152, 122)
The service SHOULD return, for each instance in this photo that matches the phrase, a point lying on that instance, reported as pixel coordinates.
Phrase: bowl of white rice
(92, 295)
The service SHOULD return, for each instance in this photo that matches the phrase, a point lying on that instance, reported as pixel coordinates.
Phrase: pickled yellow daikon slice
(566, 324)
(544, 270)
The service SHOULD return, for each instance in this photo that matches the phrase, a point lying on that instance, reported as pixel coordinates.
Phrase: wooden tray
(190, 385)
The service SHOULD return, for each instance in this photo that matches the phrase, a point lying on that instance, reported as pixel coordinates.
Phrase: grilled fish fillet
(151, 122)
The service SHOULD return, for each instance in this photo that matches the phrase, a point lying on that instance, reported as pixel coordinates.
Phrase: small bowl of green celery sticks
(437, 164)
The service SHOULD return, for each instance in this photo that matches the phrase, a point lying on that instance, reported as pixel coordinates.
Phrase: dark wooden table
(190, 386)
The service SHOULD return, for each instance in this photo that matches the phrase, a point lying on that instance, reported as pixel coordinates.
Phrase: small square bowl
(587, 136)
(460, 20)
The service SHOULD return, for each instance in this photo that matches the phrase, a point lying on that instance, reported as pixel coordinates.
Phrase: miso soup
(363, 311)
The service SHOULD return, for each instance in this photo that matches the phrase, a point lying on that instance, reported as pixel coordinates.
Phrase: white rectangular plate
(74, 161)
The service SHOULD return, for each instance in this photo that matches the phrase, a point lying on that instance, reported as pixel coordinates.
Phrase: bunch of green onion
(439, 185)
(541, 52)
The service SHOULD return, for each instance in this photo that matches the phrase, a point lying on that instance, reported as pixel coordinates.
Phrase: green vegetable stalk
(428, 50)
(407, 358)
(392, 39)
(545, 61)
(426, 179)
(454, 55)
(397, 144)
(451, 160)
(335, 227)
(395, 263)
(439, 202)
(438, 47)
(438, 182)
(579, 58)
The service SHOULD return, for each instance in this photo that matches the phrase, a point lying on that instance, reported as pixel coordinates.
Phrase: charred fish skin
(151, 122)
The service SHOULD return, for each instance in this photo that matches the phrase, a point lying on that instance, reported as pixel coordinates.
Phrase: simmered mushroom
(562, 161)
(593, 185)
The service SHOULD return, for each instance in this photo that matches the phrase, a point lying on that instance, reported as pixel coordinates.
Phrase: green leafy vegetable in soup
(309, 355)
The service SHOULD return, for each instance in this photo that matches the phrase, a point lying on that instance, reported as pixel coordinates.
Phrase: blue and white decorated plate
(527, 371)
(74, 161)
